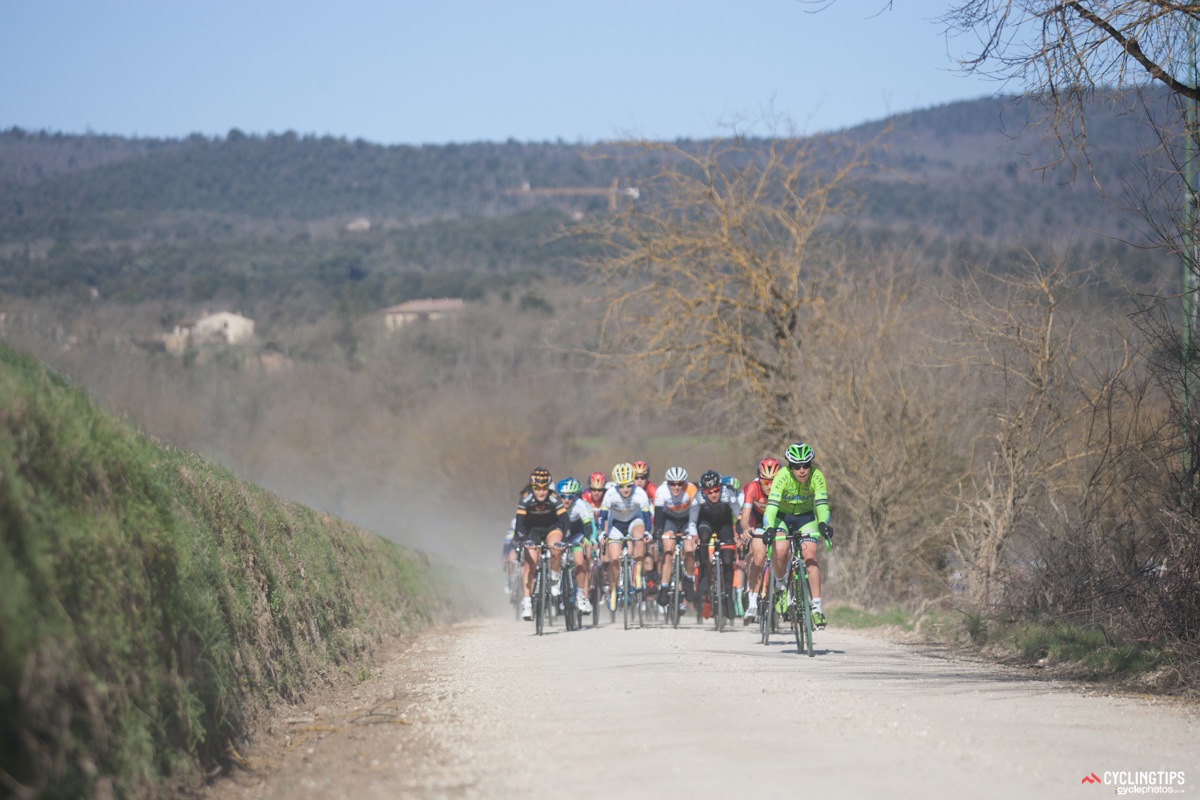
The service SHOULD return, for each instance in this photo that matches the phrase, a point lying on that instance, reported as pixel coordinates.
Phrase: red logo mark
(1091, 779)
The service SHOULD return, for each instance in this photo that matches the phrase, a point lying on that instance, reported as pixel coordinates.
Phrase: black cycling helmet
(710, 479)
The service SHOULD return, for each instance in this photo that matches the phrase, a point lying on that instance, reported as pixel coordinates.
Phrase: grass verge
(153, 603)
(1060, 648)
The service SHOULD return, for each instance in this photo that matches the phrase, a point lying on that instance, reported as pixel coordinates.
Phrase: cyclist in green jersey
(798, 502)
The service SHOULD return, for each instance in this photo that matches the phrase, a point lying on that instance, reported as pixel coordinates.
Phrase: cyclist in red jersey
(753, 506)
(641, 477)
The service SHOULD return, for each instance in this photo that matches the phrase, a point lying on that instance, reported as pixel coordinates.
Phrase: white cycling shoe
(526, 608)
(583, 604)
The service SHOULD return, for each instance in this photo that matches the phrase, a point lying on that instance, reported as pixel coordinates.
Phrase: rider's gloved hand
(826, 531)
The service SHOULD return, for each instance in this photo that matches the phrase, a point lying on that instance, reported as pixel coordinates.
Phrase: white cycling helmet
(676, 475)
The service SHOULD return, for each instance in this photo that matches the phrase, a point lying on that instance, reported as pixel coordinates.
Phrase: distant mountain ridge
(962, 176)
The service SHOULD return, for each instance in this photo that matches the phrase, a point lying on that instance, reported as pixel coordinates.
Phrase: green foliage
(152, 600)
(850, 616)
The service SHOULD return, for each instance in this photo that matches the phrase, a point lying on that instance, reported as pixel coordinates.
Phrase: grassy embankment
(1063, 649)
(151, 603)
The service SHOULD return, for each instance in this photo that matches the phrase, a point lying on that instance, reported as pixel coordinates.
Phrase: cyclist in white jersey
(627, 510)
(672, 512)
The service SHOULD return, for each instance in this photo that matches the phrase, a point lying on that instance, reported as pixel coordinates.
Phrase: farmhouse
(222, 326)
(430, 308)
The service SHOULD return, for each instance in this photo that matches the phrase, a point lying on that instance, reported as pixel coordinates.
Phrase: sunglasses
(676, 484)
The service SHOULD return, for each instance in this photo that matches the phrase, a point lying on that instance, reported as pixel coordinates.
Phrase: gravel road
(486, 709)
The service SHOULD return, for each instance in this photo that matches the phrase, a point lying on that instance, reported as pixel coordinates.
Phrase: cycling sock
(816, 604)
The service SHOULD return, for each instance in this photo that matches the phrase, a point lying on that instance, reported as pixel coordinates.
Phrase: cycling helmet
(710, 480)
(597, 480)
(676, 475)
(540, 478)
(623, 474)
(731, 482)
(768, 468)
(569, 487)
(799, 455)
(641, 470)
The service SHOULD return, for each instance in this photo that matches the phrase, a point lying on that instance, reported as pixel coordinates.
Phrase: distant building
(430, 308)
(222, 326)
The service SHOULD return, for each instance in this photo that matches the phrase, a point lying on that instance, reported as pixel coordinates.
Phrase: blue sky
(442, 71)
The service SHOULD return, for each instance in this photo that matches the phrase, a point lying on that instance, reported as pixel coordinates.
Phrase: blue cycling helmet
(569, 487)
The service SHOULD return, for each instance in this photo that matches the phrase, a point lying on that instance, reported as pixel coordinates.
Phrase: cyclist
(754, 503)
(641, 478)
(627, 508)
(509, 557)
(540, 517)
(582, 529)
(798, 502)
(714, 513)
(739, 561)
(672, 517)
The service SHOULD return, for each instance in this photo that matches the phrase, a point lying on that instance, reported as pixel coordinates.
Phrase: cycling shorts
(804, 524)
(536, 534)
(620, 528)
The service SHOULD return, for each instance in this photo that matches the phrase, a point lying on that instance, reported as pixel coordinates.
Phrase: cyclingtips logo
(1140, 781)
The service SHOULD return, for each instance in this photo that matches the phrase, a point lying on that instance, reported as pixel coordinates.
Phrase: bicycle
(599, 579)
(513, 569)
(674, 610)
(572, 617)
(718, 601)
(542, 611)
(800, 597)
(627, 594)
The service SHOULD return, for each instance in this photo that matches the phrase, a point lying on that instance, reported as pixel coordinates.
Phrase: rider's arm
(659, 516)
(820, 496)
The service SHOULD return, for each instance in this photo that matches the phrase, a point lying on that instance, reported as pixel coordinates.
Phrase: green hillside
(262, 220)
(152, 602)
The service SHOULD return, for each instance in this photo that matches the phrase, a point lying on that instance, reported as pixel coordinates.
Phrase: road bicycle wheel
(597, 590)
(623, 594)
(806, 610)
(540, 590)
(717, 591)
(766, 609)
(676, 587)
(570, 610)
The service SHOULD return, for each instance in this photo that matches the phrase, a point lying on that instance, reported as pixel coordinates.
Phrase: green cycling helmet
(799, 455)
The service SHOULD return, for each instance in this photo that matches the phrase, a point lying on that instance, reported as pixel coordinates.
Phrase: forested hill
(242, 213)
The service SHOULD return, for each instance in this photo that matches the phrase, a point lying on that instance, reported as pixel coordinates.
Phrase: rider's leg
(528, 569)
(755, 569)
(809, 551)
(666, 575)
(637, 532)
(614, 566)
(779, 562)
(581, 576)
(556, 555)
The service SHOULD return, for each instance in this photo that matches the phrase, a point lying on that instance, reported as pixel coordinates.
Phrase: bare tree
(714, 281)
(731, 288)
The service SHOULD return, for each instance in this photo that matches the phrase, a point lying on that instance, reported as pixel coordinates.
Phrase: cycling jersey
(673, 506)
(533, 513)
(788, 496)
(722, 511)
(579, 516)
(626, 509)
(756, 498)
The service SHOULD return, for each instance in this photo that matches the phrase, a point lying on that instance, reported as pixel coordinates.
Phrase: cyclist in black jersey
(540, 517)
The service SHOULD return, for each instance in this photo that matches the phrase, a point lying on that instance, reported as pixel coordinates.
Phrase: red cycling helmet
(597, 480)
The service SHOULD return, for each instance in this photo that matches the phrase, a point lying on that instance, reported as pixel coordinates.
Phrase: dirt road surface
(486, 709)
